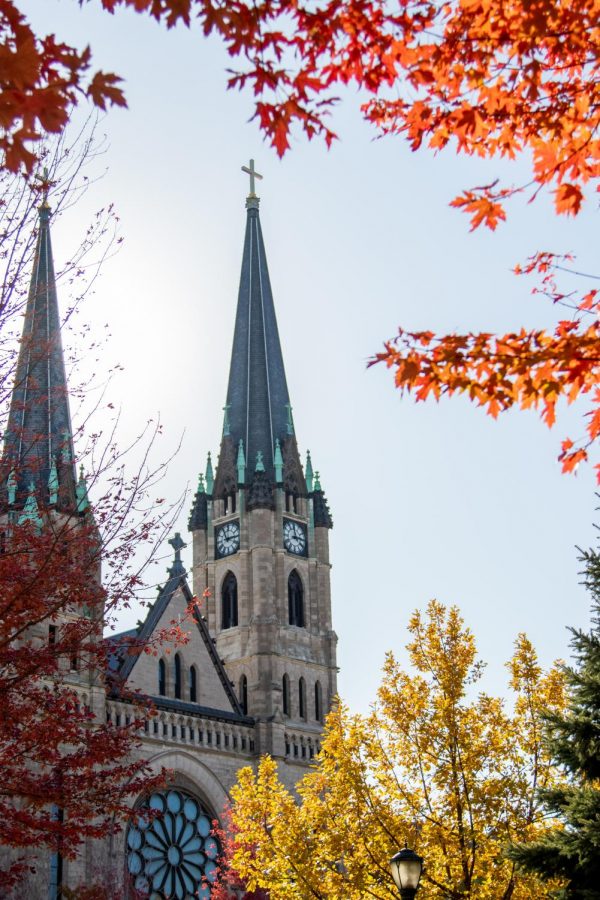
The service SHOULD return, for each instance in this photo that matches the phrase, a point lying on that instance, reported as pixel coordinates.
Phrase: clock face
(228, 539)
(294, 537)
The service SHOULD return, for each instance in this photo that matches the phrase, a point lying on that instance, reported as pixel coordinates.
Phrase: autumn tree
(571, 851)
(484, 77)
(437, 763)
(67, 775)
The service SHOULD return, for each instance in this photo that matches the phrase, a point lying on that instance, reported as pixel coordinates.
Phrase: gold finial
(251, 171)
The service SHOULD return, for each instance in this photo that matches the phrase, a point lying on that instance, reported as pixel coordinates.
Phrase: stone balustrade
(191, 730)
(301, 746)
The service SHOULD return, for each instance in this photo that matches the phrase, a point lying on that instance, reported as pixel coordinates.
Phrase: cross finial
(251, 171)
(44, 186)
(177, 544)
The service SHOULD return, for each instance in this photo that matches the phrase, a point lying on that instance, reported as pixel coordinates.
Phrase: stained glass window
(172, 855)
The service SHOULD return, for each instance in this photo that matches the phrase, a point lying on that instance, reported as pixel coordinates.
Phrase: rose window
(171, 855)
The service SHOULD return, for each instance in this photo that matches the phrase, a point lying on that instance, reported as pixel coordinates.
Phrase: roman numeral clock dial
(294, 537)
(227, 539)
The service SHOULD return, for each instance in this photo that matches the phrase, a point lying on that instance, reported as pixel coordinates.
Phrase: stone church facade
(259, 671)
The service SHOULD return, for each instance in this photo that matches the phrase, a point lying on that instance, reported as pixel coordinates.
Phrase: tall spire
(258, 404)
(38, 444)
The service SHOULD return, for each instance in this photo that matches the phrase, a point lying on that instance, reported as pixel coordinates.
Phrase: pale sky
(427, 500)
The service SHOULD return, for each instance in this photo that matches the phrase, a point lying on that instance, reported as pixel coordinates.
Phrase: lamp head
(406, 867)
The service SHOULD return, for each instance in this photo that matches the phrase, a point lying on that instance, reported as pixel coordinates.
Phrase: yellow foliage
(451, 771)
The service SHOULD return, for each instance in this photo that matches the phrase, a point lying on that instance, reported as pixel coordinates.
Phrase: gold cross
(253, 174)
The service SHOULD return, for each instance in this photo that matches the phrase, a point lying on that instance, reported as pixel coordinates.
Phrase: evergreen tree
(572, 851)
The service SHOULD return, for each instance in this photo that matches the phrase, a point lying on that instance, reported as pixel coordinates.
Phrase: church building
(258, 673)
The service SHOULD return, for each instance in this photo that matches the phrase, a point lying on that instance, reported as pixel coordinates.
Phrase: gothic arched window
(291, 501)
(286, 695)
(177, 665)
(318, 702)
(244, 694)
(162, 678)
(193, 684)
(302, 698)
(229, 602)
(295, 600)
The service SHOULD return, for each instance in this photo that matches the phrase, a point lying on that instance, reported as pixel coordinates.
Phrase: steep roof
(121, 663)
(258, 410)
(38, 443)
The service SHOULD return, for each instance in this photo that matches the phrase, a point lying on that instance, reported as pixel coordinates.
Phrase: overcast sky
(427, 500)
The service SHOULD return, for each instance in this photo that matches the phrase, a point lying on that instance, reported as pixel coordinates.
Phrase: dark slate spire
(38, 444)
(258, 410)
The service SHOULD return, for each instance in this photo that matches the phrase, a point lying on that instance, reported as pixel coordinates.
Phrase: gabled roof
(38, 438)
(121, 663)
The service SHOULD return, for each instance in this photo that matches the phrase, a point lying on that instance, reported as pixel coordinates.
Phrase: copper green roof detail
(209, 475)
(39, 416)
(53, 484)
(278, 462)
(31, 511)
(241, 463)
(260, 464)
(317, 485)
(11, 487)
(226, 420)
(81, 493)
(66, 455)
(308, 469)
(200, 483)
(290, 421)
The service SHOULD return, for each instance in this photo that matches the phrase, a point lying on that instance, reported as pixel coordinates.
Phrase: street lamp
(406, 869)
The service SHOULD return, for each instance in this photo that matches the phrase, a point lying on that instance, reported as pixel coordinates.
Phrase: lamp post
(406, 867)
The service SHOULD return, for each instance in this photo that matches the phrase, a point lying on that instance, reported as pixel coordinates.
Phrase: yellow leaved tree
(451, 771)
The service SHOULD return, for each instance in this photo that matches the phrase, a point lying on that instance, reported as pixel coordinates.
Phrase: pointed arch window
(193, 684)
(177, 663)
(291, 501)
(162, 678)
(295, 600)
(286, 695)
(318, 702)
(244, 694)
(302, 698)
(229, 601)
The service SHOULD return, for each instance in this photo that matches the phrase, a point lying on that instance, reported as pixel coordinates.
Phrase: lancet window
(295, 600)
(318, 702)
(229, 602)
(244, 694)
(193, 684)
(302, 698)
(286, 695)
(177, 666)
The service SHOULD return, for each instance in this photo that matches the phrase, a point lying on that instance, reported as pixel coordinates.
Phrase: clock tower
(260, 525)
